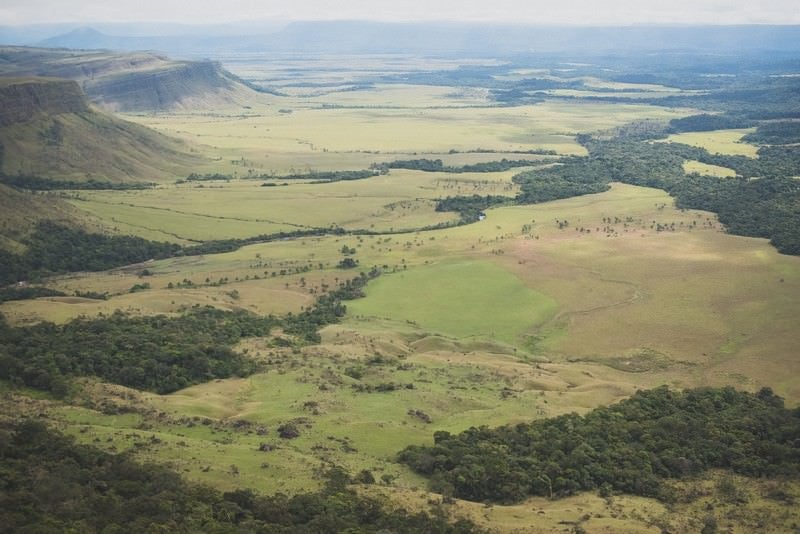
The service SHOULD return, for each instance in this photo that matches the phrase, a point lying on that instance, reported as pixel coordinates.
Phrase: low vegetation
(37, 183)
(436, 165)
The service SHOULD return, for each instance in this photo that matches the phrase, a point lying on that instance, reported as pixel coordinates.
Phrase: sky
(580, 12)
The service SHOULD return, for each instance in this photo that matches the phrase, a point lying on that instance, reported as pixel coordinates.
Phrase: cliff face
(163, 88)
(140, 81)
(25, 99)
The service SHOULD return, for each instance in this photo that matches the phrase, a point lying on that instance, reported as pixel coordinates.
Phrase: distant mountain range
(359, 37)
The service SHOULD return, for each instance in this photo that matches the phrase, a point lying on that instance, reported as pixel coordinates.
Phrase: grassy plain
(464, 300)
(536, 311)
(691, 167)
(317, 134)
(653, 291)
(719, 141)
(243, 208)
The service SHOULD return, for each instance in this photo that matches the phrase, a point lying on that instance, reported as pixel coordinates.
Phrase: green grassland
(242, 208)
(718, 141)
(656, 289)
(691, 167)
(317, 136)
(464, 300)
(751, 506)
(535, 311)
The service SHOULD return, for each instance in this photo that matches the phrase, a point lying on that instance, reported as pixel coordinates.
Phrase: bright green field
(472, 299)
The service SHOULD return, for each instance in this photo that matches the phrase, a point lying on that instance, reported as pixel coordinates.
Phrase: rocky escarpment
(24, 99)
(137, 81)
(163, 88)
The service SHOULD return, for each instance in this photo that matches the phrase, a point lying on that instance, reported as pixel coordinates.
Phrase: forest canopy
(631, 447)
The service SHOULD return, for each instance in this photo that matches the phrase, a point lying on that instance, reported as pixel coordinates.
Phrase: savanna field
(311, 284)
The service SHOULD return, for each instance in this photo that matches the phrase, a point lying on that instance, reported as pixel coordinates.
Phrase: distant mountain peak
(85, 31)
(84, 37)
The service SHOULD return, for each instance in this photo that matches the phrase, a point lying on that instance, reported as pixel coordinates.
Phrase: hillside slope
(48, 129)
(139, 81)
(20, 211)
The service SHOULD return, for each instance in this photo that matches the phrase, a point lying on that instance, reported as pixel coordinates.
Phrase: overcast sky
(584, 12)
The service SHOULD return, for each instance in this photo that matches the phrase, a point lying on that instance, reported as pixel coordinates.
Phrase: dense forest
(775, 133)
(706, 122)
(50, 484)
(54, 248)
(157, 353)
(27, 292)
(470, 208)
(629, 447)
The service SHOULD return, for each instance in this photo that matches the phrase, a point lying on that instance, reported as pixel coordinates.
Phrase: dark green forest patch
(630, 447)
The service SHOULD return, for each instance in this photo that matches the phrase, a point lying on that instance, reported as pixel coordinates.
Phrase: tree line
(775, 133)
(28, 292)
(37, 183)
(630, 447)
(317, 176)
(436, 165)
(470, 208)
(328, 308)
(54, 248)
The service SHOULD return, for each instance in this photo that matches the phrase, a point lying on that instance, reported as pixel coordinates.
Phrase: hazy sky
(530, 11)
